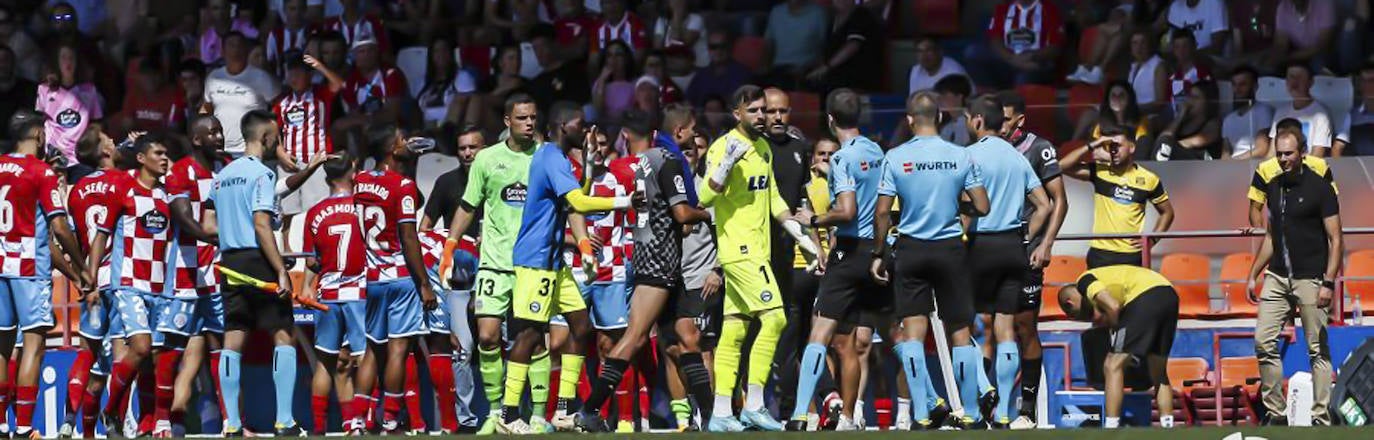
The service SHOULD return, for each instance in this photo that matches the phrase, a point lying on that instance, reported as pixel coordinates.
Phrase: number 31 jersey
(385, 199)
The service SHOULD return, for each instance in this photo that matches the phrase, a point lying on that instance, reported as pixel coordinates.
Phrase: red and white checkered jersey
(304, 122)
(145, 222)
(385, 200)
(90, 204)
(614, 228)
(334, 234)
(29, 196)
(194, 259)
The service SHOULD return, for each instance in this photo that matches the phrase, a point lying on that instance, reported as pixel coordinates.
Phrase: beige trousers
(1276, 306)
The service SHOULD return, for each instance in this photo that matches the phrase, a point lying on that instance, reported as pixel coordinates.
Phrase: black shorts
(1146, 325)
(250, 308)
(998, 264)
(927, 273)
(688, 304)
(847, 291)
(1099, 258)
(1035, 282)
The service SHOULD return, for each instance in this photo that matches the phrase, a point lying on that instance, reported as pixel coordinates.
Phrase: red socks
(121, 377)
(625, 395)
(319, 407)
(167, 362)
(81, 372)
(441, 373)
(25, 398)
(214, 376)
(391, 407)
(90, 409)
(147, 398)
(412, 394)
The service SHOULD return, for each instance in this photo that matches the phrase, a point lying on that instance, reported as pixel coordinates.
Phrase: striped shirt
(1027, 28)
(304, 121)
(281, 41)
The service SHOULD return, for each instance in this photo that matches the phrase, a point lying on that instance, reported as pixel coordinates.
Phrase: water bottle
(1356, 315)
(420, 145)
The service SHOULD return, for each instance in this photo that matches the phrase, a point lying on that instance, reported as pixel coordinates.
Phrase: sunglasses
(63, 17)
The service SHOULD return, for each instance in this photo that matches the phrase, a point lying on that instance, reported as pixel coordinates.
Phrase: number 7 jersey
(385, 199)
(334, 236)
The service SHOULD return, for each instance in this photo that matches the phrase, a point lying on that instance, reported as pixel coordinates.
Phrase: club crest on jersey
(179, 320)
(295, 117)
(68, 118)
(153, 221)
(514, 194)
(535, 307)
(679, 184)
(766, 296)
(743, 250)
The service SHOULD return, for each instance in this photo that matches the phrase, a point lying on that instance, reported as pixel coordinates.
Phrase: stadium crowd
(636, 191)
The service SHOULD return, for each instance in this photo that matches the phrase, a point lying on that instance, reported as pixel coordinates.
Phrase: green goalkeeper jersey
(497, 184)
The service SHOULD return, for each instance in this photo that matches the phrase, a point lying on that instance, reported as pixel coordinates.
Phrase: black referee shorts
(999, 261)
(929, 272)
(847, 291)
(248, 307)
(1030, 298)
(1147, 324)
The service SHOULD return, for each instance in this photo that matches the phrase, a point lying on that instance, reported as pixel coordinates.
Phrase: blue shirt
(857, 168)
(540, 240)
(927, 174)
(1008, 177)
(242, 188)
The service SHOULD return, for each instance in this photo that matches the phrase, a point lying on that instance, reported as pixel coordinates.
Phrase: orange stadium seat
(1041, 104)
(1239, 377)
(1190, 274)
(749, 52)
(1082, 97)
(1235, 268)
(1359, 268)
(937, 17)
(806, 113)
(1184, 375)
(1062, 270)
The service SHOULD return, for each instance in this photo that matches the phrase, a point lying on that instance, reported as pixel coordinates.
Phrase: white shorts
(313, 191)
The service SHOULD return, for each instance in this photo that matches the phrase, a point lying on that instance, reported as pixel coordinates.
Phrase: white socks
(753, 398)
(1111, 422)
(723, 407)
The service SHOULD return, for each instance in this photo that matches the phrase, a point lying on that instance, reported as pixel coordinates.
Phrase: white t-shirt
(236, 95)
(921, 80)
(1239, 129)
(1207, 18)
(1143, 79)
(529, 63)
(1316, 124)
(694, 24)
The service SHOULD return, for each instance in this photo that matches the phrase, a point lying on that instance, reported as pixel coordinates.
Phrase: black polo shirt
(1298, 205)
(791, 171)
(444, 201)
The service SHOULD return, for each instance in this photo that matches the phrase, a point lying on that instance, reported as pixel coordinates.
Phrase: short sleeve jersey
(615, 228)
(333, 234)
(1119, 204)
(385, 199)
(90, 204)
(745, 206)
(1123, 282)
(857, 168)
(241, 189)
(1043, 158)
(542, 223)
(658, 237)
(498, 185)
(367, 94)
(1008, 178)
(928, 174)
(194, 259)
(304, 121)
(145, 225)
(29, 197)
(432, 251)
(69, 111)
(1270, 169)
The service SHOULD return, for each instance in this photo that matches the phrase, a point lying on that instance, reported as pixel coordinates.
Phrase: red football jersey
(304, 122)
(29, 196)
(385, 200)
(368, 93)
(195, 260)
(90, 204)
(145, 223)
(334, 234)
(614, 228)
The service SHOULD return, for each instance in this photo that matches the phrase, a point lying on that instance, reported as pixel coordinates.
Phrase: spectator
(1354, 46)
(1024, 39)
(216, 22)
(647, 99)
(333, 53)
(1206, 20)
(1188, 69)
(655, 67)
(16, 92)
(154, 104)
(1149, 74)
(1118, 108)
(619, 24)
(853, 51)
(1315, 119)
(506, 81)
(26, 55)
(291, 35)
(65, 22)
(682, 28)
(1196, 132)
(68, 100)
(1356, 136)
(374, 91)
(795, 38)
(931, 66)
(572, 29)
(715, 118)
(1252, 27)
(952, 92)
(191, 81)
(356, 26)
(613, 91)
(1303, 30)
(516, 16)
(303, 114)
(562, 78)
(445, 85)
(722, 77)
(1107, 47)
(236, 89)
(1248, 116)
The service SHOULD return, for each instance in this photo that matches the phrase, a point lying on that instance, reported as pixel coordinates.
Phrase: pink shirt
(211, 43)
(68, 113)
(1305, 31)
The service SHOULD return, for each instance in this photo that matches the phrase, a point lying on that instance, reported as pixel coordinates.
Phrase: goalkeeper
(739, 186)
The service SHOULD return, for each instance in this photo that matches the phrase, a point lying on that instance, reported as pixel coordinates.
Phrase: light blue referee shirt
(857, 168)
(242, 188)
(927, 174)
(1008, 177)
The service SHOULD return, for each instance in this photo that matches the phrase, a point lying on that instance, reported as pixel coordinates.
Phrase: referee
(245, 202)
(1302, 250)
